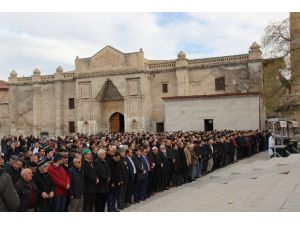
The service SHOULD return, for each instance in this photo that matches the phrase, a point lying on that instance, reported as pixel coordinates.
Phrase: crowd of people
(111, 171)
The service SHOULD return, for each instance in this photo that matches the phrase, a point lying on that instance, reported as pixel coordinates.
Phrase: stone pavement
(255, 184)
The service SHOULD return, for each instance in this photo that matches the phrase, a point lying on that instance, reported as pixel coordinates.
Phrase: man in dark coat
(12, 150)
(9, 199)
(204, 157)
(45, 187)
(223, 151)
(90, 181)
(28, 155)
(230, 151)
(241, 145)
(157, 169)
(27, 192)
(165, 157)
(15, 170)
(183, 166)
(77, 186)
(140, 175)
(114, 183)
(103, 173)
(132, 172)
(176, 164)
(124, 180)
(147, 167)
(198, 164)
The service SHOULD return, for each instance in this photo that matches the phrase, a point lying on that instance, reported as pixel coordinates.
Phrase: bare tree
(276, 40)
(276, 43)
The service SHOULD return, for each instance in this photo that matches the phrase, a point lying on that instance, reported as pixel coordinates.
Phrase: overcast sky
(46, 40)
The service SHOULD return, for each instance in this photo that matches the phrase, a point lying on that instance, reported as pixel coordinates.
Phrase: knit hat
(42, 163)
(86, 151)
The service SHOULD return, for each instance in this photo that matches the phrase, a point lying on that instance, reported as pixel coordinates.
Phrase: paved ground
(254, 184)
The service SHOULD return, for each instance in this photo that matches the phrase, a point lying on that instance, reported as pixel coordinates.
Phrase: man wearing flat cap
(45, 187)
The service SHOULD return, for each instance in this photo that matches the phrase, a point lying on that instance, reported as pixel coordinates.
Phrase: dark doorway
(117, 123)
(208, 124)
(160, 127)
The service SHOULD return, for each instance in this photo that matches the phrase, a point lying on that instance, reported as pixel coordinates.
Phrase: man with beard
(90, 181)
(28, 155)
(15, 169)
(45, 187)
(61, 181)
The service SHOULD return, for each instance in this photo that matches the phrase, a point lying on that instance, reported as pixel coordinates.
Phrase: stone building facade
(120, 91)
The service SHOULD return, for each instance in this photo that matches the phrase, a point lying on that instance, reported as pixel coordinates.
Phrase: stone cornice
(150, 66)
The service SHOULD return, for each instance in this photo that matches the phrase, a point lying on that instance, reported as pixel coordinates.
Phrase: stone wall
(227, 112)
(20, 109)
(158, 110)
(4, 120)
(47, 109)
(69, 91)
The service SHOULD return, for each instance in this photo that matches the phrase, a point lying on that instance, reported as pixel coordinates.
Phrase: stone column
(182, 74)
(36, 98)
(59, 120)
(295, 60)
(13, 80)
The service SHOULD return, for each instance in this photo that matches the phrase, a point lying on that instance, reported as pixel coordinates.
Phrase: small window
(220, 84)
(71, 103)
(71, 127)
(165, 88)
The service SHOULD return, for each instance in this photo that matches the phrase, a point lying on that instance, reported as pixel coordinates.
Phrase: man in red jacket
(61, 181)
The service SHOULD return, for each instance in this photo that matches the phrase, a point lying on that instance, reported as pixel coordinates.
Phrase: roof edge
(210, 96)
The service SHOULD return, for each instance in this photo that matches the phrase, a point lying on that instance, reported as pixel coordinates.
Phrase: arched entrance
(116, 122)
